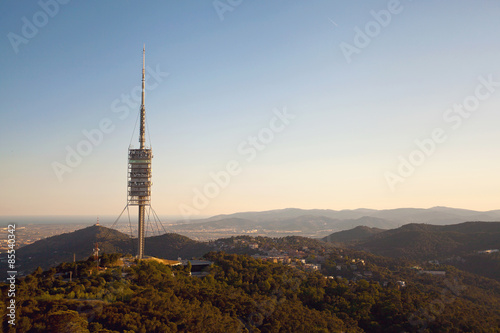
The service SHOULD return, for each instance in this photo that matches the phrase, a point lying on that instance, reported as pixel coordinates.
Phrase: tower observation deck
(139, 171)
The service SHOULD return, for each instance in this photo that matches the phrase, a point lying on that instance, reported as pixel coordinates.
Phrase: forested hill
(243, 294)
(424, 241)
(53, 250)
(459, 245)
(172, 246)
(295, 284)
(353, 235)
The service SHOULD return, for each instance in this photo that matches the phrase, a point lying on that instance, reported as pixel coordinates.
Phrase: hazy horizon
(106, 219)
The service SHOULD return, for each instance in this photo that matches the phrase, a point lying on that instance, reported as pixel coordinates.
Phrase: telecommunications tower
(139, 171)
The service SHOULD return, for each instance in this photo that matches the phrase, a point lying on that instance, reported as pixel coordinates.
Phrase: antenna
(142, 139)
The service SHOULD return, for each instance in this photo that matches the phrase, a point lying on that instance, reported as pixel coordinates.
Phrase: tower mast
(142, 134)
(139, 176)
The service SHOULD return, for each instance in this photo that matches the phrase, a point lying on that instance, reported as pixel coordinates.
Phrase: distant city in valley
(316, 223)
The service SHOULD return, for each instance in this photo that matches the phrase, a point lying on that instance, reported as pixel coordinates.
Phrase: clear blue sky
(359, 104)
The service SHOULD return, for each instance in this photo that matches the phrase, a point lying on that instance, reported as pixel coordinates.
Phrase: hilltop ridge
(459, 245)
(80, 244)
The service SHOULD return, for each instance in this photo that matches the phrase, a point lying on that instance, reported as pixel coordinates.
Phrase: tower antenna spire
(142, 136)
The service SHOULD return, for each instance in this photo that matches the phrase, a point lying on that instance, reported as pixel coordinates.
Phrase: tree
(66, 321)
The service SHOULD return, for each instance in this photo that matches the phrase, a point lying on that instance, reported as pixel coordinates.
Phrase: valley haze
(314, 223)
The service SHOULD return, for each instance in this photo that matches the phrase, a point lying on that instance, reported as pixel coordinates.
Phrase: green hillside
(352, 235)
(426, 242)
(54, 250)
(243, 294)
(456, 245)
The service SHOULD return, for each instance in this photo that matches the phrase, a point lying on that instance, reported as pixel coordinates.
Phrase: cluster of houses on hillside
(313, 259)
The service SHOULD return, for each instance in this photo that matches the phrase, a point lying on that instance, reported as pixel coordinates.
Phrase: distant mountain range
(320, 223)
(438, 215)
